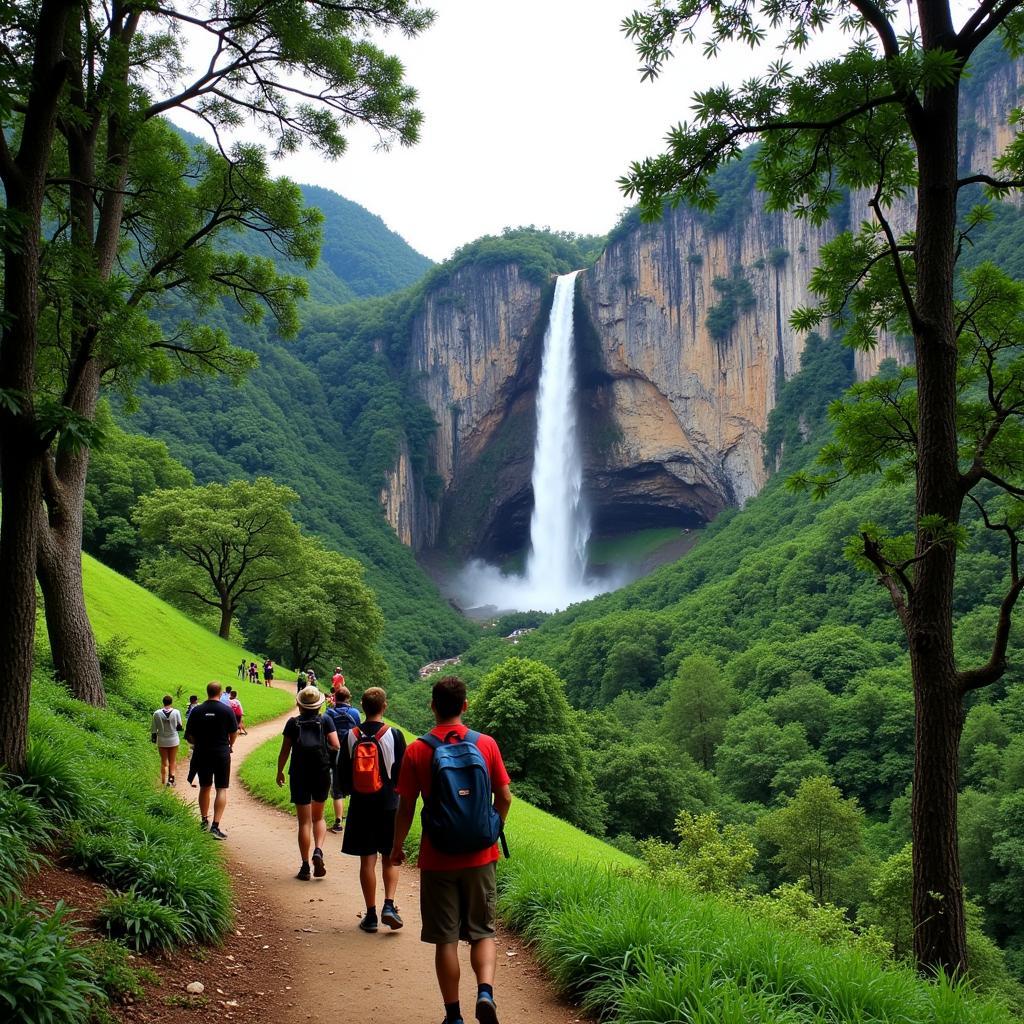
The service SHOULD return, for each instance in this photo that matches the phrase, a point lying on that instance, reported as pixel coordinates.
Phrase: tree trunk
(226, 612)
(24, 176)
(939, 935)
(59, 560)
(20, 496)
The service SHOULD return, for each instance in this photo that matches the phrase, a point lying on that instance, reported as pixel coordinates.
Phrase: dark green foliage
(363, 253)
(111, 967)
(25, 829)
(140, 922)
(826, 371)
(522, 704)
(735, 297)
(45, 977)
(122, 469)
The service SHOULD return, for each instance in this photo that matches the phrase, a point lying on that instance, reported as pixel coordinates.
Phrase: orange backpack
(366, 775)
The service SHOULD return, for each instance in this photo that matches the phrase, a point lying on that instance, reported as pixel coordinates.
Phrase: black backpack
(310, 747)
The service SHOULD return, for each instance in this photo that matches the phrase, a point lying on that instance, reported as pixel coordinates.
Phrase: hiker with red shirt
(457, 884)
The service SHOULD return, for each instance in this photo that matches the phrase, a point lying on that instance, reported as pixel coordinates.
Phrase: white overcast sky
(532, 110)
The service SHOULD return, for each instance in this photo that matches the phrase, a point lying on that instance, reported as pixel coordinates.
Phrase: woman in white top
(165, 734)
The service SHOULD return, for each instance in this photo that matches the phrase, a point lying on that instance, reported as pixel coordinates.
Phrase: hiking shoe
(303, 874)
(486, 1012)
(319, 870)
(170, 780)
(368, 924)
(337, 828)
(389, 916)
(216, 832)
(204, 825)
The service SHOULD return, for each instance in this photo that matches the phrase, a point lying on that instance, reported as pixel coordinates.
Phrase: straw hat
(310, 698)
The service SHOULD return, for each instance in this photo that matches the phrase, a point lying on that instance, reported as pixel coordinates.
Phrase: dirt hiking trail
(330, 971)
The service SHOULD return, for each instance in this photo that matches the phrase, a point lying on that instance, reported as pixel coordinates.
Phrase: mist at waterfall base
(556, 566)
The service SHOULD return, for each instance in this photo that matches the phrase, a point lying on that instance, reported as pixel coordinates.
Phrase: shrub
(142, 923)
(44, 978)
(53, 777)
(24, 828)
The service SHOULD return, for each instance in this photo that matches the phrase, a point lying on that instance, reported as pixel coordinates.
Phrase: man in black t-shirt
(212, 728)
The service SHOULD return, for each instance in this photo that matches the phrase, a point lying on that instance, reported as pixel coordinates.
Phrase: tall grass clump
(640, 953)
(45, 978)
(25, 831)
(142, 923)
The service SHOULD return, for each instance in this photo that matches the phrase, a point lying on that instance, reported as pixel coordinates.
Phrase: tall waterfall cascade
(556, 566)
(559, 526)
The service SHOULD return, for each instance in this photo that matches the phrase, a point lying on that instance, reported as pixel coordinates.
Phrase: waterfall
(556, 565)
(559, 526)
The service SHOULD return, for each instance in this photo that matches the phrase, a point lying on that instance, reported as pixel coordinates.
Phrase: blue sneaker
(486, 1012)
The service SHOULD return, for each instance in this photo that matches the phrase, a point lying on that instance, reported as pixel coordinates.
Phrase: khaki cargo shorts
(458, 904)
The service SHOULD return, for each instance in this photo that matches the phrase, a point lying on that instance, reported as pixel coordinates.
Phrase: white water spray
(559, 527)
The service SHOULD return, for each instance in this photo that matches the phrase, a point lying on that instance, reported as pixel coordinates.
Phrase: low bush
(141, 922)
(44, 977)
(53, 777)
(25, 829)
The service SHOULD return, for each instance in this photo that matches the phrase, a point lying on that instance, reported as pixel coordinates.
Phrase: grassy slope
(176, 655)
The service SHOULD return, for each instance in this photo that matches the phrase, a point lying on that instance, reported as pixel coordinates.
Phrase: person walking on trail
(338, 680)
(368, 767)
(254, 673)
(236, 707)
(345, 718)
(311, 741)
(301, 681)
(268, 672)
(212, 730)
(242, 669)
(164, 733)
(457, 772)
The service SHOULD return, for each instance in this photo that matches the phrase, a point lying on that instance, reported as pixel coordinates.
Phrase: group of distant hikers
(335, 752)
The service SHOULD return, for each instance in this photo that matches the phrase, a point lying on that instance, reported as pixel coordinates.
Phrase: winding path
(333, 972)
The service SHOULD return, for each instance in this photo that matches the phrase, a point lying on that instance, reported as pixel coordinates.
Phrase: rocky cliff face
(673, 410)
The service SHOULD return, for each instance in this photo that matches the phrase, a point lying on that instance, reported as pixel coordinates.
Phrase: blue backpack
(459, 816)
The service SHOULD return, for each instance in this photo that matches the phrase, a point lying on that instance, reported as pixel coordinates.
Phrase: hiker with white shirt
(165, 734)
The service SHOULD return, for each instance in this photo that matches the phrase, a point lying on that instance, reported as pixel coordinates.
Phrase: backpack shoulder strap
(472, 737)
(431, 741)
(381, 733)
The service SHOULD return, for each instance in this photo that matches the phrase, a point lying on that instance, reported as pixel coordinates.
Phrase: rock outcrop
(673, 410)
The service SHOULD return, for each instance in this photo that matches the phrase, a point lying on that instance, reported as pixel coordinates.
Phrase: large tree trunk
(59, 560)
(940, 935)
(226, 613)
(24, 176)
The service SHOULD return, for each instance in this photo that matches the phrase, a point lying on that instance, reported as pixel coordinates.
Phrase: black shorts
(213, 769)
(368, 829)
(310, 786)
(336, 784)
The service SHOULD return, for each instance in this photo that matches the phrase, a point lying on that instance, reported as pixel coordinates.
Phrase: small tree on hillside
(324, 609)
(522, 704)
(817, 833)
(219, 545)
(696, 712)
(882, 117)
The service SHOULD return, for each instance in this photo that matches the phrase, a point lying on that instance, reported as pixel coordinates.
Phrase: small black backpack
(310, 747)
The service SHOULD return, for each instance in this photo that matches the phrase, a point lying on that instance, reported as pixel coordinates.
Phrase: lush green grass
(176, 655)
(640, 953)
